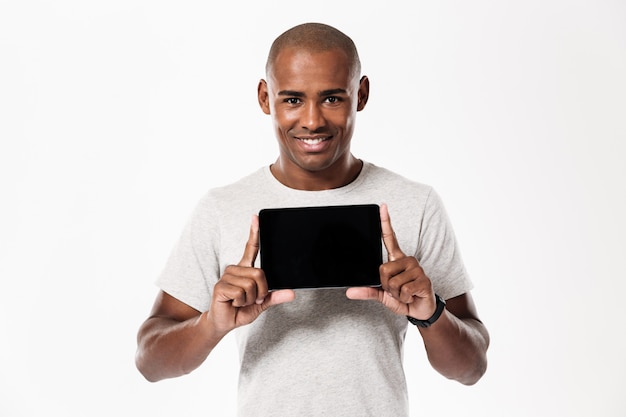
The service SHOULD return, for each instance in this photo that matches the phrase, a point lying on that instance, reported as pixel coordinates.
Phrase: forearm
(168, 348)
(457, 348)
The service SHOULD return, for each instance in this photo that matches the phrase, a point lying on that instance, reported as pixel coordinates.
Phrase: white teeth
(312, 141)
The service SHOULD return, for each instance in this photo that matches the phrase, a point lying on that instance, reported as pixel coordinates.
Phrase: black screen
(321, 247)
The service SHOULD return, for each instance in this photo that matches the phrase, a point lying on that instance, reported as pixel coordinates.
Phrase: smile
(313, 141)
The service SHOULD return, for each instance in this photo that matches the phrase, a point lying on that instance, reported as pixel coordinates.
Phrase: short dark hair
(314, 37)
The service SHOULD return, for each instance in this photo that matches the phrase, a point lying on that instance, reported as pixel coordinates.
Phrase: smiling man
(313, 94)
(323, 351)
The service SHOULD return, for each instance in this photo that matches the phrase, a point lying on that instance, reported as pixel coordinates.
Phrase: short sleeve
(192, 268)
(438, 251)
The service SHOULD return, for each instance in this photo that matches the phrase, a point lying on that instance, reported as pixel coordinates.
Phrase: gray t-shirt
(322, 354)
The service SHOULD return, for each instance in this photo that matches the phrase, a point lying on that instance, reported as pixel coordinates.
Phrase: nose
(312, 117)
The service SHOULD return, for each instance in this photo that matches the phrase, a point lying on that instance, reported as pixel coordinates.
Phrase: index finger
(389, 236)
(252, 245)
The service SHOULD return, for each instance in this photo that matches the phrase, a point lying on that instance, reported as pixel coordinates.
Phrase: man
(321, 352)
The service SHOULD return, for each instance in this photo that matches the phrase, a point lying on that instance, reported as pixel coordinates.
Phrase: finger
(395, 276)
(407, 292)
(392, 276)
(252, 245)
(233, 294)
(389, 236)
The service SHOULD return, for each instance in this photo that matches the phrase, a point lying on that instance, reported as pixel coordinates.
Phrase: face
(313, 98)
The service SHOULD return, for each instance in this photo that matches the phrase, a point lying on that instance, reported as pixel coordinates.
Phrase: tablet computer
(321, 247)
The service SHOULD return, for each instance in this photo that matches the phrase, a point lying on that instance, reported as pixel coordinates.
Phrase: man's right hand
(241, 294)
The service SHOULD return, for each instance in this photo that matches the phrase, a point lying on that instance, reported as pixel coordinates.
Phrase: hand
(405, 288)
(241, 294)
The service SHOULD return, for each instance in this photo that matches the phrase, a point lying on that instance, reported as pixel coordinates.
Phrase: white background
(116, 116)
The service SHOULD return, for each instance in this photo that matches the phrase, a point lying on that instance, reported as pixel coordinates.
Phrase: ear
(263, 97)
(364, 92)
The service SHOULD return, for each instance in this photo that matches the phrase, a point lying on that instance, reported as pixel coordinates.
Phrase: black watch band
(441, 304)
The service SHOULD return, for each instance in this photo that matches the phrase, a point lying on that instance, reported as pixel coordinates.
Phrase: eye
(333, 101)
(292, 100)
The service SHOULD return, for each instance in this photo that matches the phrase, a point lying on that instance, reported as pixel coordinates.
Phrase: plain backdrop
(117, 116)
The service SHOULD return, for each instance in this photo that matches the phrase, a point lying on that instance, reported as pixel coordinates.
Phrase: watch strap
(441, 305)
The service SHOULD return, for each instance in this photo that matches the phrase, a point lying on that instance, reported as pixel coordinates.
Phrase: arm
(457, 342)
(176, 338)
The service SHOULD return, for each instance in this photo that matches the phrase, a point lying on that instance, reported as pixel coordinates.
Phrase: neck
(336, 176)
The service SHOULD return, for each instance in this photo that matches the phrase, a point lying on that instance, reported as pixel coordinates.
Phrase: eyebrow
(323, 93)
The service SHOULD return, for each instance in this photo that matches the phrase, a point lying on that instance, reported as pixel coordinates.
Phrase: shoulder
(251, 181)
(224, 201)
(240, 189)
(396, 184)
(381, 174)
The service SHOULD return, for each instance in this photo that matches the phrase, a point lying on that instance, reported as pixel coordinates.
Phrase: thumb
(278, 297)
(364, 293)
(252, 245)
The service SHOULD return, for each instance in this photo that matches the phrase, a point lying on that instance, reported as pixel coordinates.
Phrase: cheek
(343, 120)
(285, 121)
(344, 113)
(280, 123)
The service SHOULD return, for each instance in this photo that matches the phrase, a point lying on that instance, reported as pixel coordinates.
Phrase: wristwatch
(441, 304)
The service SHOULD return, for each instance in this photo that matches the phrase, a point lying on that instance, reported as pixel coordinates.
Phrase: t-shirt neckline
(281, 188)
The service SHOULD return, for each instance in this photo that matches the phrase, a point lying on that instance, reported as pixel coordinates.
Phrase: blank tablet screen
(321, 247)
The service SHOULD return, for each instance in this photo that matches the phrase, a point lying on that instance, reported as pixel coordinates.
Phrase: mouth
(313, 141)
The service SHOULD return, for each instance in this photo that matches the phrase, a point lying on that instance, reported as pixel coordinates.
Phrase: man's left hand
(405, 288)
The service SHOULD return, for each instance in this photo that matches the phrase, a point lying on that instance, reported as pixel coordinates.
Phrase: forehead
(296, 69)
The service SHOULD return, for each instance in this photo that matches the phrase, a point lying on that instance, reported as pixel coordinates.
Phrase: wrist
(440, 305)
(212, 329)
